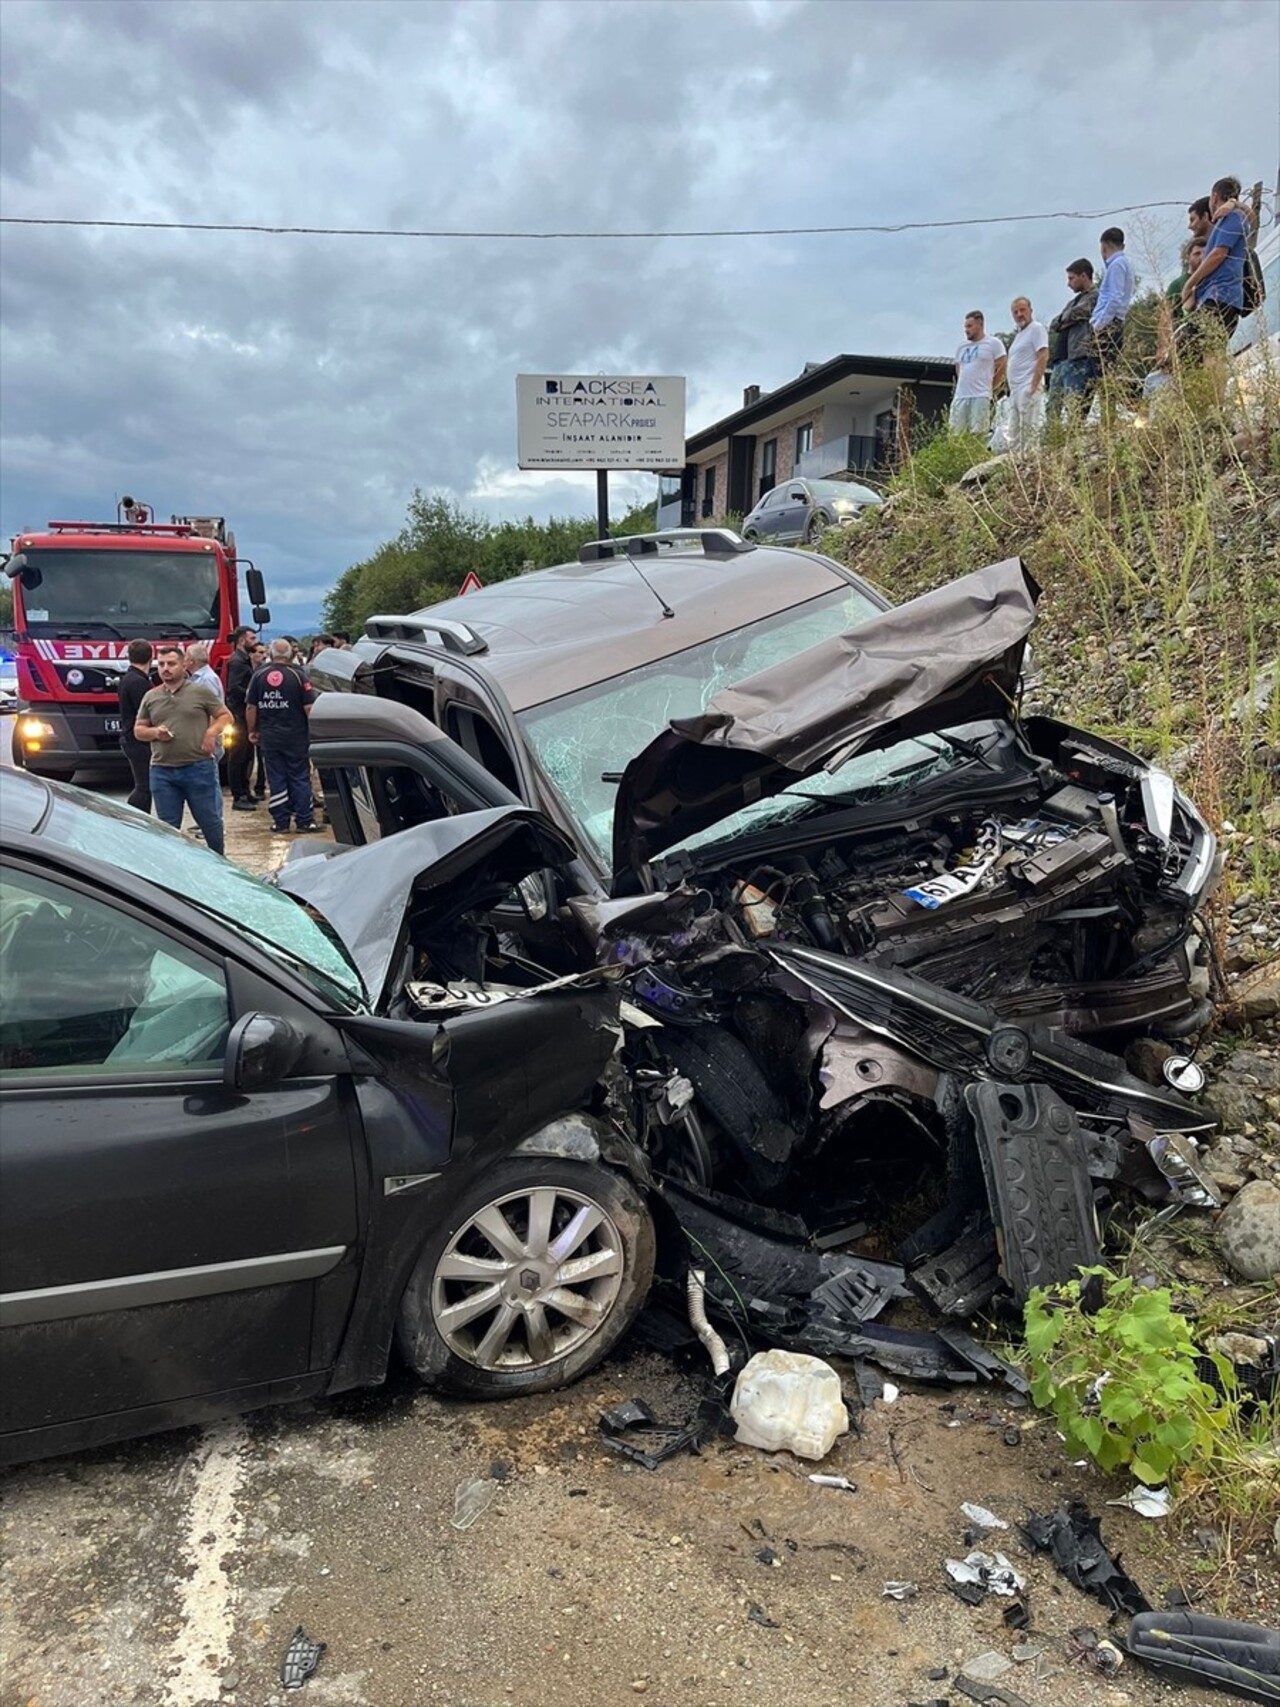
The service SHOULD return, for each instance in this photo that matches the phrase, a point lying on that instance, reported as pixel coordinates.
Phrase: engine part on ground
(785, 1401)
(633, 1432)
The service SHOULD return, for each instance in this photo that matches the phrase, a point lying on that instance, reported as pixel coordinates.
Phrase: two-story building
(852, 415)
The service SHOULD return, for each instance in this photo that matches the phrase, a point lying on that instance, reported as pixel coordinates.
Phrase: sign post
(600, 421)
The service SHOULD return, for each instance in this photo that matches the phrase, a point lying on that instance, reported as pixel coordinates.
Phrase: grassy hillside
(1158, 549)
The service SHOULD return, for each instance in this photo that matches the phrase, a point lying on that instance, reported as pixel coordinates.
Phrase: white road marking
(201, 1650)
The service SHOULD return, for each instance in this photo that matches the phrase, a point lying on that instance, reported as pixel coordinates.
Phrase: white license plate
(111, 725)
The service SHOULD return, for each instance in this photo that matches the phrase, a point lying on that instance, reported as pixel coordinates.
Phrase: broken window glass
(587, 736)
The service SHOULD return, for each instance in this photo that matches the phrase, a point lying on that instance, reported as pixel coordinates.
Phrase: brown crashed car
(831, 772)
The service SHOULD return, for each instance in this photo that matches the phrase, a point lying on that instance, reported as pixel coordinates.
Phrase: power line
(587, 236)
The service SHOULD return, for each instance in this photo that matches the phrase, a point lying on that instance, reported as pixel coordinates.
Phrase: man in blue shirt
(1216, 287)
(1115, 294)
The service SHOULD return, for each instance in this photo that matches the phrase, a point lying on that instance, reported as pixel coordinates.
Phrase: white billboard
(599, 421)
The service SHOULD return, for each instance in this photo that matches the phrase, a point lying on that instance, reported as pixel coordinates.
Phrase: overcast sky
(304, 385)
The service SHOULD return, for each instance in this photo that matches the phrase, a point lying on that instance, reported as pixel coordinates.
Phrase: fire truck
(82, 591)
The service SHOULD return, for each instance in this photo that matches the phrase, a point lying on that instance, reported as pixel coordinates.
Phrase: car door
(766, 519)
(792, 513)
(163, 1239)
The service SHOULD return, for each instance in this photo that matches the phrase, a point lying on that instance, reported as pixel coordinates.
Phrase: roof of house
(819, 377)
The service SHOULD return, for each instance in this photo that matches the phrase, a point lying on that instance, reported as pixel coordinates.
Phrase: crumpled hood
(952, 656)
(365, 893)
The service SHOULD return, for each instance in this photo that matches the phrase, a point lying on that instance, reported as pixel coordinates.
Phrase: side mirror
(255, 586)
(532, 891)
(261, 1051)
(261, 616)
(15, 565)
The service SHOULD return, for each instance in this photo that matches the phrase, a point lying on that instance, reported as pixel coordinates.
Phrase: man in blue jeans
(182, 721)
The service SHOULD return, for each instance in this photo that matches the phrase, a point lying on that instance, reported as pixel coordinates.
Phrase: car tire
(752, 536)
(739, 1099)
(817, 525)
(525, 1341)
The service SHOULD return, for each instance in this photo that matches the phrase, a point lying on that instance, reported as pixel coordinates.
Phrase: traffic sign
(470, 584)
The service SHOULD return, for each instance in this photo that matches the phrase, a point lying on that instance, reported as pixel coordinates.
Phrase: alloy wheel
(528, 1279)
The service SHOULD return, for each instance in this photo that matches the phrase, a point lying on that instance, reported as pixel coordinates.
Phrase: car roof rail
(427, 631)
(715, 542)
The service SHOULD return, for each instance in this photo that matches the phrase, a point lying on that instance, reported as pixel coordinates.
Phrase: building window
(804, 439)
(768, 467)
(709, 491)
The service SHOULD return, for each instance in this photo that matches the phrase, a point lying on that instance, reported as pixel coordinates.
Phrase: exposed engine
(1063, 907)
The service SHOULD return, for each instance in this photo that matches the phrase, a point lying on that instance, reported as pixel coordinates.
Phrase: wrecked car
(238, 1163)
(874, 926)
(756, 723)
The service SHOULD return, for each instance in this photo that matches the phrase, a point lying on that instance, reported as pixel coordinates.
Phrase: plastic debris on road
(982, 1517)
(841, 1482)
(899, 1591)
(1071, 1535)
(301, 1658)
(1147, 1502)
(989, 1571)
(471, 1499)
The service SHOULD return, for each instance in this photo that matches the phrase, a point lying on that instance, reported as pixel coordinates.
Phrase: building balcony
(855, 453)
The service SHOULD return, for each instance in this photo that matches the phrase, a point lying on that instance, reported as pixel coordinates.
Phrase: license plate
(111, 725)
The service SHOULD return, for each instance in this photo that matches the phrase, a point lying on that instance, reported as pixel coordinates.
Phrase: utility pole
(602, 503)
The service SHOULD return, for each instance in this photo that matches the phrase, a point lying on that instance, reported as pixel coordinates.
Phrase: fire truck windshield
(126, 592)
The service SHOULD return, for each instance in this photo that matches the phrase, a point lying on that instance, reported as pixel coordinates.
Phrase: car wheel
(737, 1097)
(541, 1269)
(817, 526)
(752, 535)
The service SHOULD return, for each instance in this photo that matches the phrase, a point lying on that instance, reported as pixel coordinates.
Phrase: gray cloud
(305, 385)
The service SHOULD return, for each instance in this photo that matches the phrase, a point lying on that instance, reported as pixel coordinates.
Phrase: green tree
(6, 604)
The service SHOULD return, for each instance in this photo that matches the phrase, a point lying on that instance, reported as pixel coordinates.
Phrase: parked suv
(800, 510)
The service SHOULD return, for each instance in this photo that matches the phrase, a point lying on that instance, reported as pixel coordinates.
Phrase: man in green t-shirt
(183, 723)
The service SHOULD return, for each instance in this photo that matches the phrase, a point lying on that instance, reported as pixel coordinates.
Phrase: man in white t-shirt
(1028, 358)
(980, 363)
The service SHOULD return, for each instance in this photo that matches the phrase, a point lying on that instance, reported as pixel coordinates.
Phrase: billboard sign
(599, 421)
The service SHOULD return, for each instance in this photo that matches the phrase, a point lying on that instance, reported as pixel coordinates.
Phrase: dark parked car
(239, 1158)
(802, 510)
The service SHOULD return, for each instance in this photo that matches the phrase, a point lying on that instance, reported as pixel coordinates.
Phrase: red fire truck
(82, 591)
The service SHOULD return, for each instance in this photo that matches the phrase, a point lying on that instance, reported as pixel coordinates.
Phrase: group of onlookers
(176, 717)
(1047, 368)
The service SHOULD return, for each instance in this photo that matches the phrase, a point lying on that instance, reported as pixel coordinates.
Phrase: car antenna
(666, 608)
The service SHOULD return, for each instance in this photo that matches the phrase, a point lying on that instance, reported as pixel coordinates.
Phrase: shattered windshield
(863, 780)
(275, 924)
(585, 740)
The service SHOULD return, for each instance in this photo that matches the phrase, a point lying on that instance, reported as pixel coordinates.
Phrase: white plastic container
(784, 1401)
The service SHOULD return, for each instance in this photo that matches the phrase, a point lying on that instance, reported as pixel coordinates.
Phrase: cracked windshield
(586, 739)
